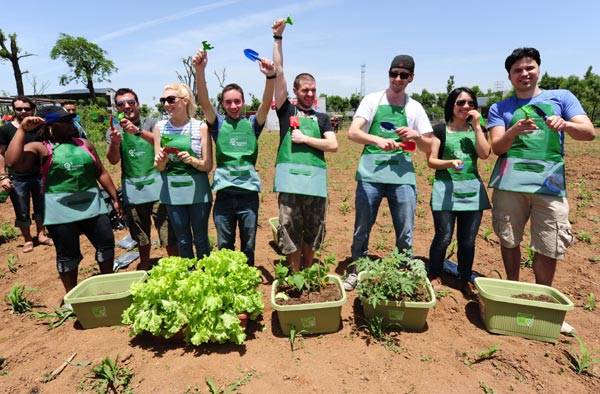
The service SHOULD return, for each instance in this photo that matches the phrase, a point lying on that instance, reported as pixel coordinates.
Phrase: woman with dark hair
(183, 154)
(73, 203)
(236, 181)
(458, 194)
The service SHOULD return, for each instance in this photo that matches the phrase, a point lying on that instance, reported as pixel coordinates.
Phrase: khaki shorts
(301, 219)
(139, 219)
(550, 228)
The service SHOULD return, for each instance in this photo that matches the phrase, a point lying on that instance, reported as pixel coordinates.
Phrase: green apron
(299, 168)
(141, 181)
(534, 163)
(379, 166)
(182, 183)
(71, 193)
(236, 151)
(459, 190)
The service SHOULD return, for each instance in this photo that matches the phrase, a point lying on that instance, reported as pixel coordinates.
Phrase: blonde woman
(183, 154)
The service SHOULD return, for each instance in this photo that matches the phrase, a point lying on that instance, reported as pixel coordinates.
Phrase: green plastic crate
(100, 300)
(317, 318)
(503, 314)
(412, 316)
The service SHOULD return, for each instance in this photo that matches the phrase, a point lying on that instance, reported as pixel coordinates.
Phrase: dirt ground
(442, 358)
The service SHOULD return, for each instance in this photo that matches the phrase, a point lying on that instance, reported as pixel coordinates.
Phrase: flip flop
(28, 247)
(47, 241)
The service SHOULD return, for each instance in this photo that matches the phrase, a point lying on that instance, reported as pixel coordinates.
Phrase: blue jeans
(467, 227)
(231, 210)
(402, 200)
(23, 191)
(190, 224)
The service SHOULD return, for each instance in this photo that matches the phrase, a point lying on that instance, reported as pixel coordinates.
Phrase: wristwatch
(139, 132)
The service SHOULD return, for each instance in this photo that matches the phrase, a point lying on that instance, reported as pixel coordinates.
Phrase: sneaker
(567, 329)
(350, 282)
(436, 282)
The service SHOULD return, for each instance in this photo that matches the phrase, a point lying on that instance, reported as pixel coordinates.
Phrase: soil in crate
(531, 297)
(329, 292)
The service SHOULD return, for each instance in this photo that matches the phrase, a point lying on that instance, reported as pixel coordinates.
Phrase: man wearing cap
(384, 169)
(26, 184)
(527, 132)
(132, 143)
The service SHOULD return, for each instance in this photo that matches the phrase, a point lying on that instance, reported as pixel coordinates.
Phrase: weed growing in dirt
(293, 335)
(214, 389)
(7, 232)
(487, 232)
(17, 298)
(591, 304)
(57, 318)
(582, 364)
(583, 236)
(486, 389)
(420, 212)
(482, 355)
(3, 364)
(452, 248)
(442, 293)
(110, 377)
(376, 327)
(344, 208)
(11, 262)
(527, 261)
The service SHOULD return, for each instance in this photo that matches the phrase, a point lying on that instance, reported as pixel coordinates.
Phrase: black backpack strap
(439, 130)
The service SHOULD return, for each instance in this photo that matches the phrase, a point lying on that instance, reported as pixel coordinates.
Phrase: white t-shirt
(415, 114)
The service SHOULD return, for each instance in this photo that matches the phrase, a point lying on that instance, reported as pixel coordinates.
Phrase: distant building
(76, 95)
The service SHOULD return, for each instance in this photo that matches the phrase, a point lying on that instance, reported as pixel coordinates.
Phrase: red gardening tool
(294, 123)
(407, 146)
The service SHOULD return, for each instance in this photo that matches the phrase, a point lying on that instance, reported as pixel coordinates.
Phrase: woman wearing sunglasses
(183, 154)
(236, 181)
(73, 202)
(458, 194)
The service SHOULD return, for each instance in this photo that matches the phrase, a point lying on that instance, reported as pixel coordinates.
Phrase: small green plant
(397, 277)
(293, 335)
(527, 261)
(344, 208)
(214, 389)
(425, 358)
(110, 377)
(486, 389)
(487, 232)
(381, 243)
(452, 248)
(420, 212)
(3, 364)
(591, 304)
(582, 364)
(57, 318)
(311, 278)
(11, 262)
(488, 353)
(442, 293)
(17, 298)
(583, 236)
(8, 232)
(377, 328)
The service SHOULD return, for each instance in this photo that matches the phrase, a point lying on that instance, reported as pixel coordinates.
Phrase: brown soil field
(444, 358)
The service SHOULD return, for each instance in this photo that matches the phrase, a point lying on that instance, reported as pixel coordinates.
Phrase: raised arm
(19, 156)
(200, 60)
(281, 92)
(267, 67)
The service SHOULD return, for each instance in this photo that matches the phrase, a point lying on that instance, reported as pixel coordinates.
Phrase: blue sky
(330, 39)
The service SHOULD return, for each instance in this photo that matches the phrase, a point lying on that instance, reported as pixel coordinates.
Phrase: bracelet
(272, 76)
(275, 36)
(139, 132)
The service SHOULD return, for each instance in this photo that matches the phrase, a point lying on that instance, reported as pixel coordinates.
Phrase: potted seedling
(395, 288)
(309, 300)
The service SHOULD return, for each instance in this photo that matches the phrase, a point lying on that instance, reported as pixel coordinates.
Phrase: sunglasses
(402, 75)
(168, 99)
(461, 103)
(121, 103)
(21, 109)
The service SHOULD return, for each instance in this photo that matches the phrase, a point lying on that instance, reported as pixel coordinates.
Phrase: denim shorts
(24, 191)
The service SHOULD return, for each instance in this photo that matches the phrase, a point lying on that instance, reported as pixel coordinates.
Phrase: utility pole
(362, 80)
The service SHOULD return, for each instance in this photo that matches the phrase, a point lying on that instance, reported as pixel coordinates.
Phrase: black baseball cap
(54, 113)
(404, 61)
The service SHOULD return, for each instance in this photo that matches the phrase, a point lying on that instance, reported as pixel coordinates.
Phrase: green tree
(355, 101)
(86, 60)
(450, 84)
(337, 104)
(13, 55)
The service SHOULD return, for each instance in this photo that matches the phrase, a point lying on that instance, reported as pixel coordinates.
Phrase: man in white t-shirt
(385, 123)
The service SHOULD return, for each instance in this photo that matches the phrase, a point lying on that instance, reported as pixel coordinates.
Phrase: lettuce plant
(202, 298)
